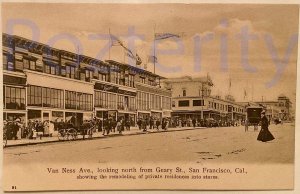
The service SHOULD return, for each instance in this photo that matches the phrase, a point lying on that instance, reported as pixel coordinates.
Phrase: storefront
(127, 116)
(156, 115)
(106, 114)
(144, 115)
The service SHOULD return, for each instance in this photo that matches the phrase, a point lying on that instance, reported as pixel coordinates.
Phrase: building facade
(43, 83)
(191, 98)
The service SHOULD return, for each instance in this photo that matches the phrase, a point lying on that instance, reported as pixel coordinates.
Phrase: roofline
(133, 67)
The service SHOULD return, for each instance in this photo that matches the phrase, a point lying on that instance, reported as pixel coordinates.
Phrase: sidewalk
(97, 135)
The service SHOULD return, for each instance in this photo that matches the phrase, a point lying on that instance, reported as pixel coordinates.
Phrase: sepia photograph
(148, 96)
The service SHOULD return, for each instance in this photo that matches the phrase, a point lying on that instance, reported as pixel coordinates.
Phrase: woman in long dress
(264, 134)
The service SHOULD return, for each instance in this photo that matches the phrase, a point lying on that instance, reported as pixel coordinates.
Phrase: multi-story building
(44, 83)
(191, 98)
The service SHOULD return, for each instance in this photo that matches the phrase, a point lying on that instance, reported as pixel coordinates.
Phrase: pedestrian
(144, 125)
(127, 124)
(139, 123)
(157, 124)
(151, 123)
(246, 125)
(264, 134)
(51, 128)
(119, 126)
(194, 122)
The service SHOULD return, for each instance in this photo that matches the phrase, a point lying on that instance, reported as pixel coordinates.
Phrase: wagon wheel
(72, 134)
(61, 134)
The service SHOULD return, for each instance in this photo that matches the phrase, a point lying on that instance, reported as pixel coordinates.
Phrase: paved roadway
(210, 145)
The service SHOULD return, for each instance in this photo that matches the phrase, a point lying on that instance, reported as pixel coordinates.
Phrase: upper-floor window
(49, 69)
(29, 64)
(131, 80)
(184, 92)
(173, 103)
(70, 72)
(182, 103)
(102, 77)
(5, 61)
(88, 75)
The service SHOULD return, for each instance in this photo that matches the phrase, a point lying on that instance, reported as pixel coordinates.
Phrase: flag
(152, 59)
(138, 59)
(161, 36)
(115, 41)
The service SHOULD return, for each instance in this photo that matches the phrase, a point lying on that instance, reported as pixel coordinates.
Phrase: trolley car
(253, 116)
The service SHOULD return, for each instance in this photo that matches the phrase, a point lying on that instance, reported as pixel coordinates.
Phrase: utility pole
(202, 90)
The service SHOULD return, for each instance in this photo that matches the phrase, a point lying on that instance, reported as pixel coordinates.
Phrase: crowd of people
(35, 129)
(38, 129)
(209, 122)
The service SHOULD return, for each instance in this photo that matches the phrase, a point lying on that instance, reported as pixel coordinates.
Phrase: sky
(246, 49)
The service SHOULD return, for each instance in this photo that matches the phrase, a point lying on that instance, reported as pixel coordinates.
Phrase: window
(198, 102)
(52, 70)
(131, 80)
(142, 100)
(19, 65)
(70, 100)
(46, 97)
(34, 94)
(173, 104)
(70, 72)
(32, 65)
(121, 102)
(82, 75)
(26, 63)
(5, 61)
(131, 105)
(79, 101)
(47, 69)
(14, 98)
(183, 92)
(183, 103)
(102, 77)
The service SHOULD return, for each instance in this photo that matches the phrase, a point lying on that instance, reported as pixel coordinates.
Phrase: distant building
(191, 98)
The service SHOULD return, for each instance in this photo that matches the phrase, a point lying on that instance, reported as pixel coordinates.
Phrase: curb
(106, 136)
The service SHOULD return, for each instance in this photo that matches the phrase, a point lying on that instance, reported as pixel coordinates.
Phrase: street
(204, 146)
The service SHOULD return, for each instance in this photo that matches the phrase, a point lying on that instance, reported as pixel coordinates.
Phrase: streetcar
(253, 116)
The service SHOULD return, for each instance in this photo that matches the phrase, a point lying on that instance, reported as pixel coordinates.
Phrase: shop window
(34, 115)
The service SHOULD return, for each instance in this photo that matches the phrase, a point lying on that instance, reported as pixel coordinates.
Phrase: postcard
(148, 96)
